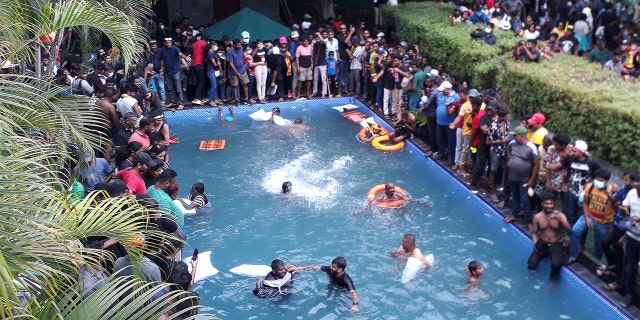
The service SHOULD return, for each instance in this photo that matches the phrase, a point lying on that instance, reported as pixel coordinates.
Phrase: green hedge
(577, 97)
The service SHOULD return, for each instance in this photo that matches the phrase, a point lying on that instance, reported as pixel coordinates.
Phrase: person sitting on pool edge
(404, 126)
(280, 277)
(390, 195)
(338, 278)
(408, 249)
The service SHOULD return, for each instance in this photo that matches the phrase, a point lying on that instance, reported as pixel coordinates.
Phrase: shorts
(404, 131)
(497, 162)
(305, 74)
(244, 79)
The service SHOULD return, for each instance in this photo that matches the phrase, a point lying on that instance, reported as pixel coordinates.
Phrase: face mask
(215, 48)
(161, 26)
(260, 46)
(487, 30)
(598, 184)
(249, 51)
(410, 69)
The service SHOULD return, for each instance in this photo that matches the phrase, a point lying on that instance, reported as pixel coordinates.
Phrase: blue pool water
(252, 223)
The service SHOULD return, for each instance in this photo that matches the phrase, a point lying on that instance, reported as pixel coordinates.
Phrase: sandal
(494, 198)
(454, 167)
(509, 219)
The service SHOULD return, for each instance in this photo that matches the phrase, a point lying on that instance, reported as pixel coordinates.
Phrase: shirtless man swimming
(547, 236)
(408, 249)
(390, 195)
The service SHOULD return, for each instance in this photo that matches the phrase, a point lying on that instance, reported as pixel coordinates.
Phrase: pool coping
(524, 234)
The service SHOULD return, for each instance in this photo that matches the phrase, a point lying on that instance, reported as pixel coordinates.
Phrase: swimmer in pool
(274, 112)
(408, 249)
(390, 195)
(475, 271)
(226, 119)
(373, 133)
(338, 278)
(280, 277)
(286, 187)
(405, 126)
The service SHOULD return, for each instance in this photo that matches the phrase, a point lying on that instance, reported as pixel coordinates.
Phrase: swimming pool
(252, 223)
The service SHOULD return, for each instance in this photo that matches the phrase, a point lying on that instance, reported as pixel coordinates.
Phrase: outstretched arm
(365, 208)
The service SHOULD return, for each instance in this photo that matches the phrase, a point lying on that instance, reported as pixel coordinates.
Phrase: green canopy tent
(258, 26)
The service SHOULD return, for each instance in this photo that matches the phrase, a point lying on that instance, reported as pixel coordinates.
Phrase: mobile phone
(194, 257)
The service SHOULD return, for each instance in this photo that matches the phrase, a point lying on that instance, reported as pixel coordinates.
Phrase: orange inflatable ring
(363, 133)
(371, 195)
(380, 144)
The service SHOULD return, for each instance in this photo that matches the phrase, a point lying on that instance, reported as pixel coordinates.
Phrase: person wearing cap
(480, 128)
(246, 37)
(132, 176)
(581, 168)
(526, 51)
(568, 42)
(293, 47)
(523, 162)
(238, 71)
(445, 115)
(287, 69)
(465, 117)
(160, 192)
(141, 135)
(537, 130)
(306, 22)
(170, 64)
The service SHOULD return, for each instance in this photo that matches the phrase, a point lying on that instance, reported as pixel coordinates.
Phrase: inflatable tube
(185, 210)
(205, 269)
(380, 144)
(345, 107)
(371, 195)
(414, 266)
(363, 133)
(251, 270)
(260, 115)
(281, 121)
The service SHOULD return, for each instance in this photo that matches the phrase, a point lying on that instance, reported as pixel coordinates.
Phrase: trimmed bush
(577, 97)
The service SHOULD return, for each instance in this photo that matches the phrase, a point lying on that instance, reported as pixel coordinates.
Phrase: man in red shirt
(142, 133)
(197, 64)
(132, 176)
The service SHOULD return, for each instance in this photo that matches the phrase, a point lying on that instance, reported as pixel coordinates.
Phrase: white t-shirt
(125, 105)
(632, 201)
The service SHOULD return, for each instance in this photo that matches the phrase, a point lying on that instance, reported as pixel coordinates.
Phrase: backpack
(77, 88)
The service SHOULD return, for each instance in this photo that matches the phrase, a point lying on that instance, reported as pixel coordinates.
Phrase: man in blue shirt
(170, 61)
(445, 115)
(238, 71)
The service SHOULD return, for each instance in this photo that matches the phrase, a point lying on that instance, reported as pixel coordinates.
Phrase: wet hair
(547, 196)
(298, 120)
(405, 106)
(603, 173)
(340, 262)
(277, 263)
(167, 175)
(473, 266)
(286, 186)
(410, 237)
(561, 138)
(199, 187)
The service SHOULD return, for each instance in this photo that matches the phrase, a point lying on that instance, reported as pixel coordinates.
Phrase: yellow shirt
(537, 136)
(467, 117)
(600, 206)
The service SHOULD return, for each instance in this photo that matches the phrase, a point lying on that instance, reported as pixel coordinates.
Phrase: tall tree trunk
(54, 51)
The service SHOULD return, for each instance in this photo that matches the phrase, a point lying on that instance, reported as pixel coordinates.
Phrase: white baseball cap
(245, 35)
(445, 85)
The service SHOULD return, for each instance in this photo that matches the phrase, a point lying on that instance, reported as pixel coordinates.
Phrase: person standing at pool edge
(339, 278)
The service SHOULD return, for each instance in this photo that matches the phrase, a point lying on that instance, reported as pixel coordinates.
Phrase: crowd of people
(468, 130)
